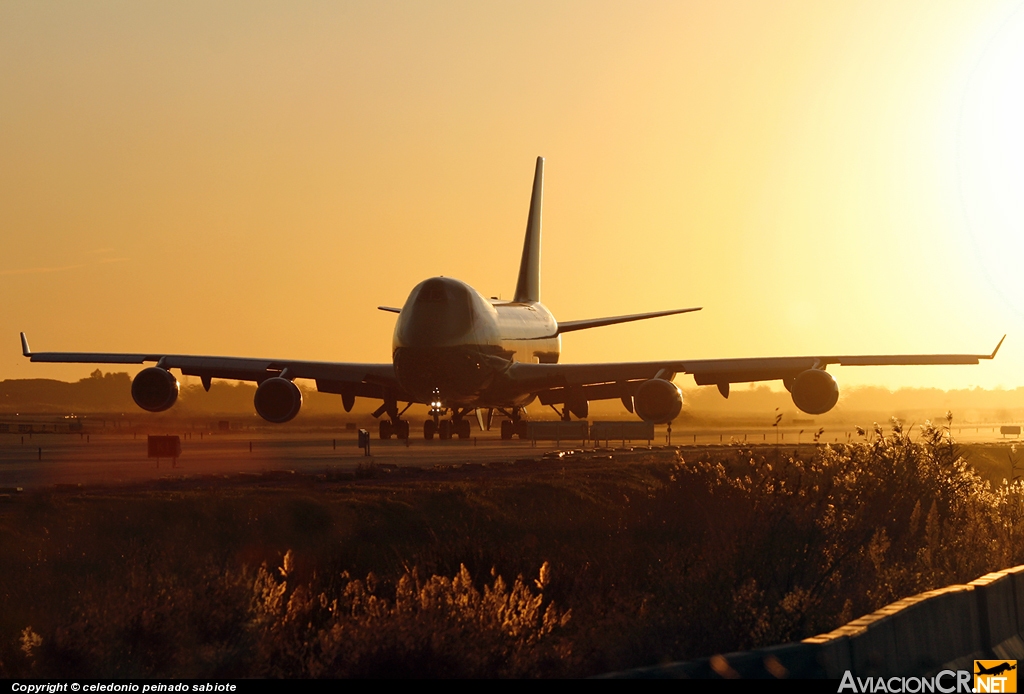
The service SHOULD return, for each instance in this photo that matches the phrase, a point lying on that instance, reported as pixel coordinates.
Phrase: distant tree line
(111, 392)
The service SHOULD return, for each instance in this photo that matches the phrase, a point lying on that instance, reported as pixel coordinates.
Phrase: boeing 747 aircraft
(460, 353)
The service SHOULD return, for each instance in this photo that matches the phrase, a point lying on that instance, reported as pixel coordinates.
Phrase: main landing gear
(394, 425)
(515, 425)
(446, 428)
(399, 429)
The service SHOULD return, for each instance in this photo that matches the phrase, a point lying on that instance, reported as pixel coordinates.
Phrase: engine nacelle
(277, 400)
(658, 401)
(815, 391)
(154, 389)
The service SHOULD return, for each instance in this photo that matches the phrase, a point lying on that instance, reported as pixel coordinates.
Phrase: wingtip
(25, 351)
(993, 355)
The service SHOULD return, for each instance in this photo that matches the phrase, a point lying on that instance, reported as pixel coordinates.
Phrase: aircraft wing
(365, 380)
(601, 381)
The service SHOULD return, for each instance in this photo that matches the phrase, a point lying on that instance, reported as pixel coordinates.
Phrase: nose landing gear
(445, 429)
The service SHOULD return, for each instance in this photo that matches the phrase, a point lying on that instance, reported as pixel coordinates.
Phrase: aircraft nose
(439, 312)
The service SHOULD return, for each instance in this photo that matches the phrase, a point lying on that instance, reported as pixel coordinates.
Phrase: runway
(112, 457)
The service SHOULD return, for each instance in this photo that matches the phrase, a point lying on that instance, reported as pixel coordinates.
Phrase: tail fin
(528, 287)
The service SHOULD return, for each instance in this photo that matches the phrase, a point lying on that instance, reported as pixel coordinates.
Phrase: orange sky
(253, 179)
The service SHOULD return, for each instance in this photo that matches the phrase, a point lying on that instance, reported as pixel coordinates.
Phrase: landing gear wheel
(444, 429)
(521, 429)
(385, 430)
(506, 430)
(462, 428)
(402, 429)
(429, 429)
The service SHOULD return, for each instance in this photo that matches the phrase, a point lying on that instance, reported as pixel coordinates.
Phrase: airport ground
(117, 565)
(103, 454)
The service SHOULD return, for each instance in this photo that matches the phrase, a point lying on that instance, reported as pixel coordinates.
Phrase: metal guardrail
(943, 629)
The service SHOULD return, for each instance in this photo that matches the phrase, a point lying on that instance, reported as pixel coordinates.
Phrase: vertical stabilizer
(528, 287)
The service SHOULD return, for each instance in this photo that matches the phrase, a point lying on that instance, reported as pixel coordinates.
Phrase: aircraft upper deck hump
(528, 287)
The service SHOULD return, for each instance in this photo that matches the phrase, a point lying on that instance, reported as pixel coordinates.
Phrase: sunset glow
(254, 179)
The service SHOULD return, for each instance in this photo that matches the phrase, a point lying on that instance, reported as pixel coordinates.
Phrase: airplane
(995, 669)
(461, 353)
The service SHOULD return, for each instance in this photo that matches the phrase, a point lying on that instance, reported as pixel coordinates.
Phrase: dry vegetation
(565, 569)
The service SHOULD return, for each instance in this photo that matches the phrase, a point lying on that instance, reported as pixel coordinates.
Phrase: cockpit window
(440, 311)
(432, 294)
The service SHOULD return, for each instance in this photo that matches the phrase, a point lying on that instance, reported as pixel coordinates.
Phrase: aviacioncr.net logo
(995, 676)
(946, 682)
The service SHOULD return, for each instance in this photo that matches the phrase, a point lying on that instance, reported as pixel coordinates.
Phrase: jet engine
(277, 400)
(658, 401)
(154, 389)
(815, 391)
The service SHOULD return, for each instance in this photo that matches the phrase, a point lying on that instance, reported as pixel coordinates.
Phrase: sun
(990, 158)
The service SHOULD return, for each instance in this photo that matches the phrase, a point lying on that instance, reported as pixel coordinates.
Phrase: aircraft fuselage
(453, 345)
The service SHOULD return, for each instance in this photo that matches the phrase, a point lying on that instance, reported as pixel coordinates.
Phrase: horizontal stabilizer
(569, 326)
(389, 309)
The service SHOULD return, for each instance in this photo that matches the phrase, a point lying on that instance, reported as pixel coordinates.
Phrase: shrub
(438, 627)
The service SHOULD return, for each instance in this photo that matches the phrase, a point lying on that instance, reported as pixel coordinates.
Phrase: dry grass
(617, 564)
